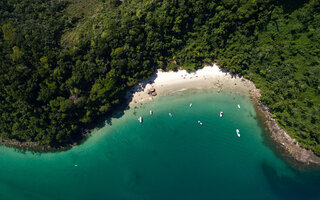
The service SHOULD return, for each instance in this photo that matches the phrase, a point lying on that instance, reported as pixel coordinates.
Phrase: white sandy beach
(213, 77)
(205, 78)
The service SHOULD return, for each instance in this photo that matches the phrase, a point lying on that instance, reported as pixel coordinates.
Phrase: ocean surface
(163, 158)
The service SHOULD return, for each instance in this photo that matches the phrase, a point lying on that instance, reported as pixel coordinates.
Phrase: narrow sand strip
(213, 77)
(171, 82)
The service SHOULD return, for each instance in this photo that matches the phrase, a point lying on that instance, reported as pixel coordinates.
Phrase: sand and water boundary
(163, 83)
(208, 77)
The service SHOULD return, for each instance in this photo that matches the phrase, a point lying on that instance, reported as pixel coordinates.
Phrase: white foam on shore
(180, 90)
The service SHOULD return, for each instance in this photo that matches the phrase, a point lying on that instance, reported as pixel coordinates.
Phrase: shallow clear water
(163, 158)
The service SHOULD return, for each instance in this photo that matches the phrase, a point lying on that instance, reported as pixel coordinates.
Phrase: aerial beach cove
(166, 157)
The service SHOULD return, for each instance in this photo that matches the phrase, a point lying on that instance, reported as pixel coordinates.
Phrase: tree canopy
(63, 65)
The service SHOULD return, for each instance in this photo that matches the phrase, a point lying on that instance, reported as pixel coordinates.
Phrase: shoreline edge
(214, 77)
(208, 77)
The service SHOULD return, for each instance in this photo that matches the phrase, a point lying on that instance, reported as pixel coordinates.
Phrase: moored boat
(150, 112)
(140, 119)
(170, 114)
(238, 106)
(238, 132)
(221, 114)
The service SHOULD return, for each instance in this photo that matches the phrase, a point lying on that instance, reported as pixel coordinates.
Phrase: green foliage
(283, 61)
(63, 65)
(16, 54)
(9, 32)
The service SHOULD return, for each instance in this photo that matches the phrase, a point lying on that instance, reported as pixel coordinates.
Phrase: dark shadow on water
(124, 105)
(280, 150)
(116, 115)
(303, 185)
(86, 132)
(118, 111)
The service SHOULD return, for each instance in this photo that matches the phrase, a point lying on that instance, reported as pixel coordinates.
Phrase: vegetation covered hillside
(64, 64)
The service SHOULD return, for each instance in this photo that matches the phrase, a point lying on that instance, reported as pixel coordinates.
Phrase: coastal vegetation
(65, 65)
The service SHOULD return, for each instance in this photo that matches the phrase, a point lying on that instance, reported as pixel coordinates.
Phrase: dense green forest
(65, 65)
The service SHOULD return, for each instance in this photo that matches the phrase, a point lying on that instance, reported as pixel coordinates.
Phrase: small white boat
(170, 114)
(238, 132)
(76, 165)
(190, 105)
(150, 112)
(221, 114)
(200, 122)
(238, 106)
(140, 119)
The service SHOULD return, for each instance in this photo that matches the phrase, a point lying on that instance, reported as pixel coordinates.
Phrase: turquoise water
(163, 158)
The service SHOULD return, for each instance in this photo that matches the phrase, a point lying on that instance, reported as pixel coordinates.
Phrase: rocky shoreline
(289, 145)
(24, 146)
(141, 93)
(38, 148)
(33, 146)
